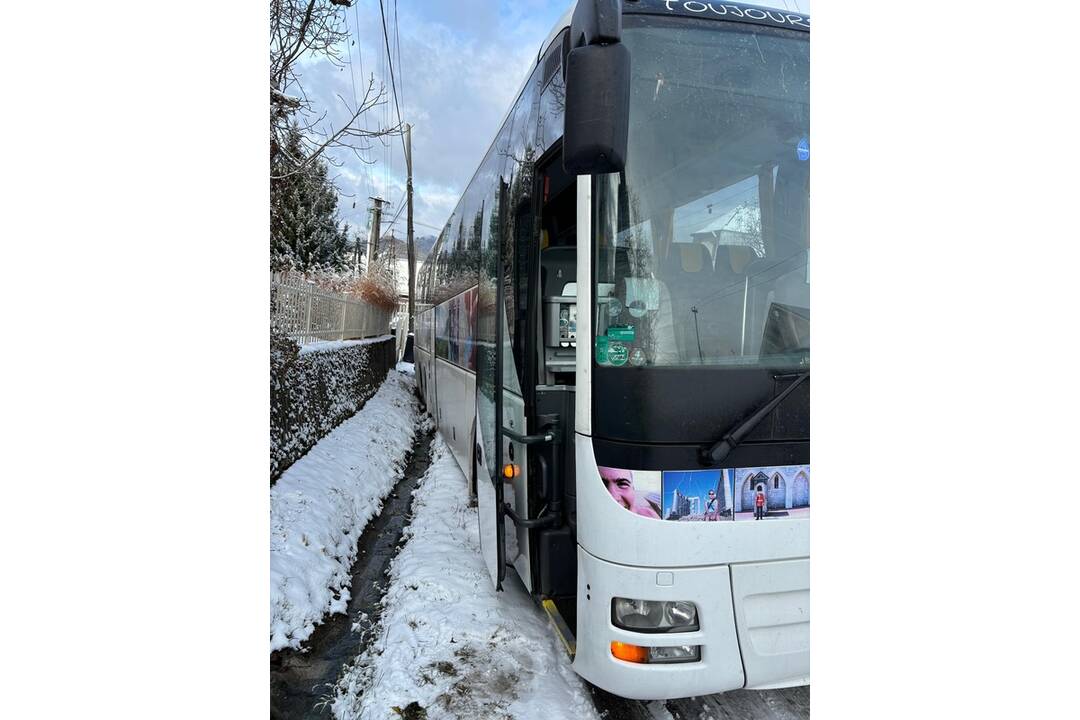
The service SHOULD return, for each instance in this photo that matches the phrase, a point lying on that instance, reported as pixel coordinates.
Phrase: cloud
(461, 66)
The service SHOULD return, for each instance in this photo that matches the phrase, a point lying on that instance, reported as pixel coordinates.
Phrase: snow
(446, 641)
(324, 345)
(321, 503)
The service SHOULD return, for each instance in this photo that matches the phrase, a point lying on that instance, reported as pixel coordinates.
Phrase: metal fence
(307, 314)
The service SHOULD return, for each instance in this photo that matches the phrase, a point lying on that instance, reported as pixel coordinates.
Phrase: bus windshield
(702, 253)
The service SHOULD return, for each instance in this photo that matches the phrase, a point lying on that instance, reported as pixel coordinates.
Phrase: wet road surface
(786, 704)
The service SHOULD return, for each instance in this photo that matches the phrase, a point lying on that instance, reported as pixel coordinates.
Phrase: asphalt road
(786, 704)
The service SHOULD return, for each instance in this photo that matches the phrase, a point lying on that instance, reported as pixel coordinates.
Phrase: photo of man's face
(643, 501)
(622, 489)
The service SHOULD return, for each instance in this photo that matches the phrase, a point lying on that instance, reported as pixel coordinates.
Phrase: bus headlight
(681, 614)
(675, 653)
(654, 615)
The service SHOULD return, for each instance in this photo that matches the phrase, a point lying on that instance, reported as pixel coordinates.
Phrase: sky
(458, 67)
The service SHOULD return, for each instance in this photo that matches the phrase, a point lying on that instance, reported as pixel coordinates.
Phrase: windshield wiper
(716, 453)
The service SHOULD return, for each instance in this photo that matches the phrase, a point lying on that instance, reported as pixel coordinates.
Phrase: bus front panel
(693, 467)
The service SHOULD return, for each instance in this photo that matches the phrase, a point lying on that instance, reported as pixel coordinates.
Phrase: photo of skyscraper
(697, 495)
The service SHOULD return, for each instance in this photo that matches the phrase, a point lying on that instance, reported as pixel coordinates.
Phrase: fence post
(307, 320)
(344, 313)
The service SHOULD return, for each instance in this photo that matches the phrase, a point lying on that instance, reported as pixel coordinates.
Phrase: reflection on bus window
(702, 250)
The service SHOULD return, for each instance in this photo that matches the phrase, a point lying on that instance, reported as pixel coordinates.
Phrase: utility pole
(409, 227)
(358, 252)
(376, 229)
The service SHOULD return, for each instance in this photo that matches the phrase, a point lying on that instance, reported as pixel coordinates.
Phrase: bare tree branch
(306, 28)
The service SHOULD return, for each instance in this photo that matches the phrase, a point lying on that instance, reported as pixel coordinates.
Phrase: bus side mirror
(597, 68)
(597, 109)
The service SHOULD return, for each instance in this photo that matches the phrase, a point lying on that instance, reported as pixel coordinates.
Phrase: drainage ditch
(300, 682)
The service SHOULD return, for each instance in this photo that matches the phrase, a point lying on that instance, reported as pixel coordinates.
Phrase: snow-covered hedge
(314, 388)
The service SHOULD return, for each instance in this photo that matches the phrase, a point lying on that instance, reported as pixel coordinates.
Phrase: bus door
(497, 459)
(502, 440)
(532, 407)
(554, 495)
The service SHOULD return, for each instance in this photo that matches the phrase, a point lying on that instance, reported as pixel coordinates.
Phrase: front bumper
(763, 605)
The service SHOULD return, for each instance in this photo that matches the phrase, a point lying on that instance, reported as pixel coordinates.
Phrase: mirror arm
(596, 22)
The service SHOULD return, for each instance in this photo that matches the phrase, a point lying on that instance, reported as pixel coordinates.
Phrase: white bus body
(748, 580)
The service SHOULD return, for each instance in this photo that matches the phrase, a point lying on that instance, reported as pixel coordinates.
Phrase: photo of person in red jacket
(759, 505)
(774, 492)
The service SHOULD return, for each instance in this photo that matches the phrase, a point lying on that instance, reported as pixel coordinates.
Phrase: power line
(388, 145)
(397, 46)
(387, 117)
(352, 72)
(396, 215)
(356, 100)
(368, 175)
(432, 227)
(393, 75)
(393, 82)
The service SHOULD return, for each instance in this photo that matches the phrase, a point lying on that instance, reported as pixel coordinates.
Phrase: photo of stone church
(786, 491)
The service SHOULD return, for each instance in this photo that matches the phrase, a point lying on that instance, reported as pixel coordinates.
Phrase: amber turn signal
(511, 471)
(628, 652)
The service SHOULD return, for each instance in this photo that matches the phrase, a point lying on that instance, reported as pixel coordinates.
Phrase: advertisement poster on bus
(703, 495)
(636, 490)
(755, 493)
(764, 493)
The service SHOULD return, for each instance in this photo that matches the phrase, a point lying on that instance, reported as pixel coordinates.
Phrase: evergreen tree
(304, 232)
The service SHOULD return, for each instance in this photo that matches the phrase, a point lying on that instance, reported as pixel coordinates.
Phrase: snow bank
(320, 505)
(446, 641)
(324, 345)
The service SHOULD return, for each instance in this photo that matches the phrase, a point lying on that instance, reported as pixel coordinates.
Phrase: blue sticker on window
(802, 150)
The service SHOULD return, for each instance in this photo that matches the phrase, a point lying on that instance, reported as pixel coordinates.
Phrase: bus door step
(562, 630)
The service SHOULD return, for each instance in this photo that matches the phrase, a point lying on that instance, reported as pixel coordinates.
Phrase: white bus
(617, 346)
